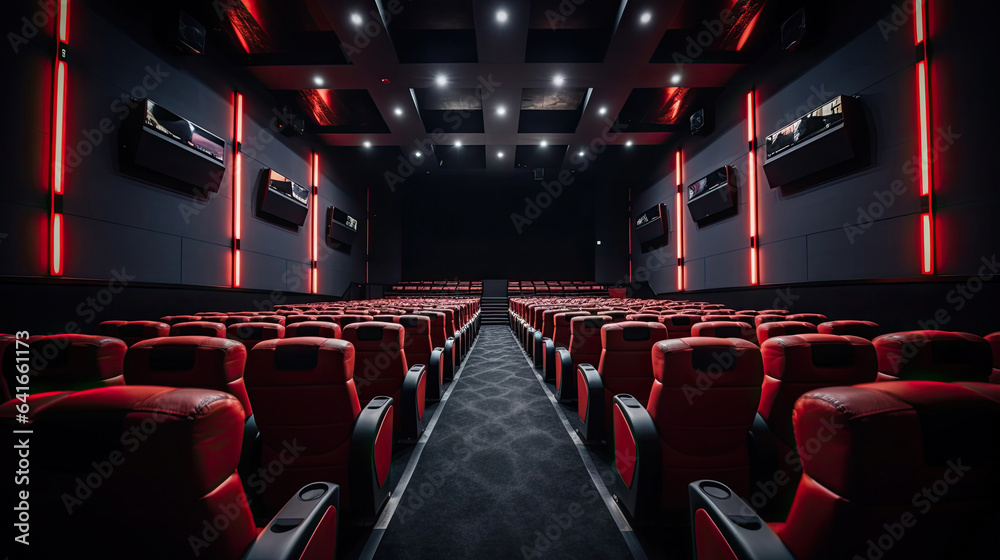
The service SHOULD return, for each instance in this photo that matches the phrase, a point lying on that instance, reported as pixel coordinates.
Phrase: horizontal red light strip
(927, 242)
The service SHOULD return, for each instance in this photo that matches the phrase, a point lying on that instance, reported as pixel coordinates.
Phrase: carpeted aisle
(499, 476)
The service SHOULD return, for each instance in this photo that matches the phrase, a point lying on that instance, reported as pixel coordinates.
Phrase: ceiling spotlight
(356, 18)
(418, 155)
(598, 241)
(544, 143)
(602, 110)
(581, 153)
(458, 143)
(366, 144)
(398, 111)
(558, 80)
(675, 79)
(441, 80)
(646, 16)
(502, 16)
(500, 155)
(501, 110)
(318, 81)
(628, 144)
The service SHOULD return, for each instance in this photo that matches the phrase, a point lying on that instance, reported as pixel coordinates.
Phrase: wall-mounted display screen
(712, 194)
(184, 131)
(651, 228)
(811, 124)
(284, 198)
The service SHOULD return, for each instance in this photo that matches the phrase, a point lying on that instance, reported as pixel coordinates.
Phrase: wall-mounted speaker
(539, 173)
(179, 30)
(284, 198)
(711, 195)
(341, 228)
(652, 229)
(794, 31)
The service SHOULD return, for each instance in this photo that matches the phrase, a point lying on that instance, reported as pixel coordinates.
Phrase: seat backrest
(760, 319)
(304, 393)
(797, 364)
(344, 320)
(725, 329)
(161, 463)
(198, 328)
(548, 320)
(279, 319)
(66, 362)
(131, 332)
(814, 318)
(189, 361)
(562, 330)
(291, 319)
(625, 358)
(703, 401)
(417, 344)
(617, 315)
(379, 364)
(323, 329)
(171, 319)
(864, 329)
(933, 355)
(585, 339)
(944, 472)
(679, 325)
(782, 328)
(648, 317)
(252, 333)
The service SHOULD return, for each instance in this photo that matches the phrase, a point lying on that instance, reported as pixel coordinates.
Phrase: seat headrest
(818, 358)
(934, 427)
(134, 329)
(685, 320)
(767, 318)
(589, 325)
(643, 317)
(374, 336)
(254, 331)
(291, 319)
(864, 329)
(418, 323)
(198, 328)
(171, 319)
(814, 318)
(934, 355)
(781, 328)
(345, 320)
(69, 358)
(724, 329)
(186, 361)
(301, 361)
(313, 328)
(631, 335)
(701, 361)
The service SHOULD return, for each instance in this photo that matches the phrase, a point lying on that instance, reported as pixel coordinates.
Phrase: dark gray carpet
(499, 477)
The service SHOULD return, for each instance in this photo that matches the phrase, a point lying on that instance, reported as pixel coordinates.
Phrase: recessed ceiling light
(628, 143)
(502, 16)
(418, 154)
(500, 155)
(501, 110)
(398, 111)
(602, 110)
(366, 144)
(544, 143)
(356, 18)
(318, 81)
(458, 143)
(441, 80)
(646, 16)
(675, 79)
(598, 241)
(558, 80)
(581, 153)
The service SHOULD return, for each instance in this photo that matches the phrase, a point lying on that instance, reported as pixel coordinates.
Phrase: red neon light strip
(927, 243)
(64, 21)
(752, 187)
(927, 248)
(238, 192)
(58, 148)
(59, 141)
(314, 284)
(679, 219)
(55, 267)
(368, 230)
(925, 140)
(918, 22)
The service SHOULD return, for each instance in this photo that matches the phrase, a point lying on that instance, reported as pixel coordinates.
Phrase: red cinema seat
(761, 319)
(545, 349)
(252, 333)
(939, 502)
(131, 332)
(380, 369)
(679, 326)
(419, 349)
(198, 328)
(994, 340)
(864, 329)
(202, 362)
(702, 404)
(277, 319)
(441, 339)
(165, 460)
(292, 319)
(814, 318)
(793, 366)
(304, 391)
(322, 329)
(64, 362)
(782, 328)
(584, 348)
(172, 319)
(725, 329)
(625, 367)
(933, 356)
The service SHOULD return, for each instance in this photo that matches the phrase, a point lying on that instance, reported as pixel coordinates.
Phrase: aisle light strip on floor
(378, 531)
(616, 513)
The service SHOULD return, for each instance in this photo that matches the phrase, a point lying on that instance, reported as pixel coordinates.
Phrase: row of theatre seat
(782, 435)
(574, 288)
(439, 287)
(238, 435)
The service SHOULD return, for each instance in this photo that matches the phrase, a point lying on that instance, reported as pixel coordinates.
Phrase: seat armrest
(412, 398)
(565, 384)
(305, 527)
(449, 359)
(370, 458)
(721, 520)
(549, 358)
(537, 347)
(765, 465)
(590, 403)
(435, 375)
(638, 463)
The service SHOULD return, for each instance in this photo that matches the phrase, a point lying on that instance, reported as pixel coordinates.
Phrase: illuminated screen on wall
(184, 131)
(816, 121)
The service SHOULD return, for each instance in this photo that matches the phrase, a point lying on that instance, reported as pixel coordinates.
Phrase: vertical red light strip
(752, 188)
(927, 249)
(368, 229)
(679, 219)
(60, 76)
(314, 242)
(238, 191)
(630, 235)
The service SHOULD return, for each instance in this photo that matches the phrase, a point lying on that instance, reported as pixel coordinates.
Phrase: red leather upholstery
(725, 329)
(625, 365)
(279, 319)
(679, 326)
(933, 355)
(252, 333)
(782, 328)
(703, 401)
(563, 331)
(131, 332)
(68, 362)
(585, 339)
(438, 328)
(647, 317)
(291, 319)
(814, 318)
(304, 394)
(416, 338)
(198, 328)
(189, 361)
(323, 329)
(770, 318)
(943, 485)
(380, 364)
(864, 329)
(165, 461)
(994, 340)
(172, 319)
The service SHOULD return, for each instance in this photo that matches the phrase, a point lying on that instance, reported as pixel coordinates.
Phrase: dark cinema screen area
(473, 225)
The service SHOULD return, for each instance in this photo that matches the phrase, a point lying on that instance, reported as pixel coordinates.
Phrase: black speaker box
(794, 31)
(179, 30)
(712, 194)
(283, 198)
